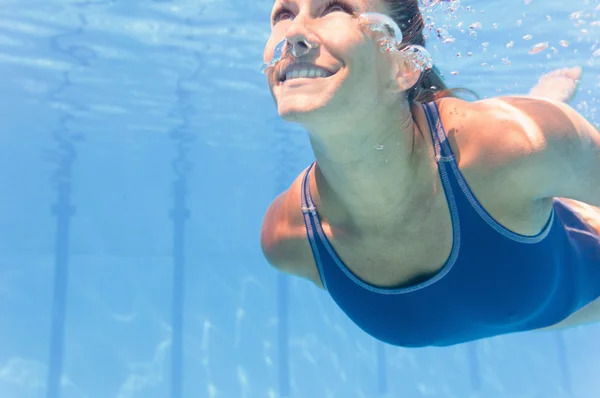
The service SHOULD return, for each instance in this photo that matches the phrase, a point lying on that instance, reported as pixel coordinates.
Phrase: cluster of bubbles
(278, 54)
(390, 40)
(384, 31)
(446, 5)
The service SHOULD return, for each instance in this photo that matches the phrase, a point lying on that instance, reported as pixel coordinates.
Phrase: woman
(430, 220)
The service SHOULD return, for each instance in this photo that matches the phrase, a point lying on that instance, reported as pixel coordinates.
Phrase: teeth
(306, 72)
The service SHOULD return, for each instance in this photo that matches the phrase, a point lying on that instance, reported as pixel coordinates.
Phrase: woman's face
(344, 73)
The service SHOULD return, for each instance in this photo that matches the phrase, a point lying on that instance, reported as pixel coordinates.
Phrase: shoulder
(283, 235)
(523, 119)
(496, 142)
(281, 226)
(543, 147)
(502, 133)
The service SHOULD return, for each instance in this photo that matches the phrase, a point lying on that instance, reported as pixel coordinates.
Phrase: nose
(299, 38)
(301, 46)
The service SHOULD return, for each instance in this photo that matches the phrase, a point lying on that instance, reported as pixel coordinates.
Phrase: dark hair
(431, 86)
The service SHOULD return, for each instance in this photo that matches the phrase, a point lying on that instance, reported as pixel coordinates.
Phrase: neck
(374, 170)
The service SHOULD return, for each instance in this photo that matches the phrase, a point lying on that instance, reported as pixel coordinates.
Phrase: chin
(305, 108)
(304, 115)
(305, 100)
(296, 110)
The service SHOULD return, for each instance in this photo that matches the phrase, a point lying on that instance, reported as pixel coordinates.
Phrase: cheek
(357, 46)
(378, 65)
(367, 62)
(345, 41)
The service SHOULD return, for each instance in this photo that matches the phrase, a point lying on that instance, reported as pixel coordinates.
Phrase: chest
(415, 246)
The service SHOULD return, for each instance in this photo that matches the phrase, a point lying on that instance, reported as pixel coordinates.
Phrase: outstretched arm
(565, 159)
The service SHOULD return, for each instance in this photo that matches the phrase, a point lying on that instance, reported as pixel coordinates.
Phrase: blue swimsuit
(494, 282)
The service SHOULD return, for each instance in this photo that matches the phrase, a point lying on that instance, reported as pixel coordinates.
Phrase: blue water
(139, 149)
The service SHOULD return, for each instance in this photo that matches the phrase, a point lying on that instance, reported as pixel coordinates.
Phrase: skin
(376, 179)
(343, 141)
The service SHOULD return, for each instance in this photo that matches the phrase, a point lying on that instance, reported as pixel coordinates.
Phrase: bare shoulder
(283, 235)
(493, 141)
(501, 133)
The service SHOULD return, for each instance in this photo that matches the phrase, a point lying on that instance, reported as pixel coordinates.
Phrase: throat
(381, 178)
(371, 198)
(376, 208)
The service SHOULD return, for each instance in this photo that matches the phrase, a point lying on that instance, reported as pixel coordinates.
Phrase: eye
(280, 14)
(339, 6)
(331, 6)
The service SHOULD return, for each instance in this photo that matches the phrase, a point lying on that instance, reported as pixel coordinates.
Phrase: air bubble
(446, 5)
(277, 54)
(576, 15)
(375, 22)
(538, 48)
(419, 56)
(392, 39)
(443, 34)
(449, 40)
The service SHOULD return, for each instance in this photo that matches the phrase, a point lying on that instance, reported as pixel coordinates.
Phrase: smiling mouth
(304, 71)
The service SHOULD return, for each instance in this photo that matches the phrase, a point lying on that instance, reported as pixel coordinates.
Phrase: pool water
(139, 149)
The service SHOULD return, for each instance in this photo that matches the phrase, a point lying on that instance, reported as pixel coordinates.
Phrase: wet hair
(431, 86)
